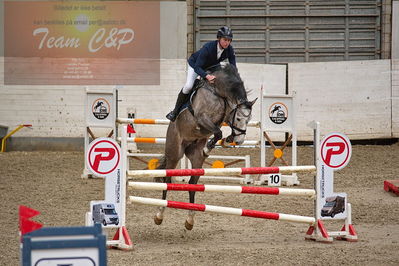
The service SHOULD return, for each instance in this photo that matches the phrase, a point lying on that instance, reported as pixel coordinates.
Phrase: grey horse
(223, 101)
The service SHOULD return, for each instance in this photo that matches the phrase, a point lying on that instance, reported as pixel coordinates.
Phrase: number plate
(274, 180)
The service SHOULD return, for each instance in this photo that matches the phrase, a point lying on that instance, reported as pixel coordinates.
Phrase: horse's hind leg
(172, 159)
(189, 224)
(195, 154)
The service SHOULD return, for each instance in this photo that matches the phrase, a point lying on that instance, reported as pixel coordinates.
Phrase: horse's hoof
(188, 226)
(157, 221)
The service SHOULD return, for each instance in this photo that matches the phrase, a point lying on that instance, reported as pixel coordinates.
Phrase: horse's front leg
(207, 126)
(217, 135)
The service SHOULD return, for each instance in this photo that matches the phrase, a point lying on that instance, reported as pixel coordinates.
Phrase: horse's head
(230, 87)
(238, 120)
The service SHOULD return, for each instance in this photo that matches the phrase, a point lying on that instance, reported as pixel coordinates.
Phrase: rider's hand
(210, 78)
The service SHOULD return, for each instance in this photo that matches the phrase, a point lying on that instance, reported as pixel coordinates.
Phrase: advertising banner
(82, 43)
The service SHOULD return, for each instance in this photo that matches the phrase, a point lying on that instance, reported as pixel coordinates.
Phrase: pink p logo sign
(332, 151)
(103, 156)
(336, 150)
(99, 157)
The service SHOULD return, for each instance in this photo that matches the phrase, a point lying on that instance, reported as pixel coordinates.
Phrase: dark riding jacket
(207, 56)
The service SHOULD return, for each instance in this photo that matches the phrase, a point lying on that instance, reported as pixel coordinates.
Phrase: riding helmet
(225, 32)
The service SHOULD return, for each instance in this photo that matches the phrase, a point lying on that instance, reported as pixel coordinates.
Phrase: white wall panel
(395, 98)
(352, 97)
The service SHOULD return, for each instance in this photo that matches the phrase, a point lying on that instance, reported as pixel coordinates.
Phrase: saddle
(188, 105)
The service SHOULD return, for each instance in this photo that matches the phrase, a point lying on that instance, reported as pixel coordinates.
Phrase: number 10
(274, 180)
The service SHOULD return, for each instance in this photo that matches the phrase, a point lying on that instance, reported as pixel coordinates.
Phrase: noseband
(231, 123)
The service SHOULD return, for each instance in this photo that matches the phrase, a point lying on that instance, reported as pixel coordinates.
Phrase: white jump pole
(145, 121)
(223, 189)
(223, 210)
(221, 172)
(163, 141)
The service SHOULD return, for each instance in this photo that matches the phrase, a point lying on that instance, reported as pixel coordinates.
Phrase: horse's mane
(228, 78)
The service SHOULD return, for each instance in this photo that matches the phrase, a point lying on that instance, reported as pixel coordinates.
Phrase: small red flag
(26, 225)
(27, 212)
(130, 129)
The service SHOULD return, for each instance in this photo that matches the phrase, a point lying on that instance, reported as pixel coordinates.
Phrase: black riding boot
(181, 99)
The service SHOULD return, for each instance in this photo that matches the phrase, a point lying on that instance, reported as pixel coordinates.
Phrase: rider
(212, 53)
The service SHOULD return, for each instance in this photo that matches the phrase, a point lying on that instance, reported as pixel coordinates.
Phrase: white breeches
(191, 76)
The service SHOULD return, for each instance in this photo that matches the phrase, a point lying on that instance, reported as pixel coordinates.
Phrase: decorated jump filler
(331, 154)
(278, 116)
(335, 152)
(104, 158)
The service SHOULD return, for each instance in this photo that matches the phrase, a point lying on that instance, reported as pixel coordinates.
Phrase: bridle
(233, 127)
(233, 114)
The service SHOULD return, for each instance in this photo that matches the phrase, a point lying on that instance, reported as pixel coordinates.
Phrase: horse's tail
(162, 163)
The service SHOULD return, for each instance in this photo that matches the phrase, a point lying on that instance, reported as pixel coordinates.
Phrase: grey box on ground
(3, 131)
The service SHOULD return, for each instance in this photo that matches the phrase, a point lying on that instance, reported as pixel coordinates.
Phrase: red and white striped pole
(221, 171)
(219, 188)
(223, 210)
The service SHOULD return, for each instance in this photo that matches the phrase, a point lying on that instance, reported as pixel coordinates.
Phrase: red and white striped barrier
(223, 210)
(221, 172)
(219, 188)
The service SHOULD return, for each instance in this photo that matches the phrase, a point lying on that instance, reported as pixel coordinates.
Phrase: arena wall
(358, 98)
(395, 69)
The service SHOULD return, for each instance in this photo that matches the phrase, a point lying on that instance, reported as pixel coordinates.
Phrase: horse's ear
(252, 102)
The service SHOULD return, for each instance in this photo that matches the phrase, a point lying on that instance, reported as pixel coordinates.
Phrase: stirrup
(171, 116)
